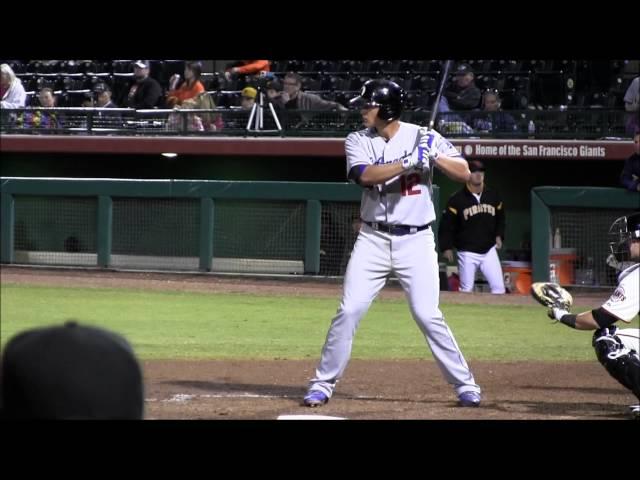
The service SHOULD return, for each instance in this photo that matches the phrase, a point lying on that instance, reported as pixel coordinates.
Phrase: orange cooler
(517, 276)
(564, 260)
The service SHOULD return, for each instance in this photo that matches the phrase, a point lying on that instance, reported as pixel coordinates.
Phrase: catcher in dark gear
(617, 349)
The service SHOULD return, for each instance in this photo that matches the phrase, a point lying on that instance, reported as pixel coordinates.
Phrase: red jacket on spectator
(184, 92)
(252, 67)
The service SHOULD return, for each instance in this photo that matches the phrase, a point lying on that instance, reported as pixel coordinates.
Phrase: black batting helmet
(387, 95)
(621, 233)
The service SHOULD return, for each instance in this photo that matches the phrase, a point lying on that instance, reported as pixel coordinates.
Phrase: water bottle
(531, 128)
(589, 273)
(557, 239)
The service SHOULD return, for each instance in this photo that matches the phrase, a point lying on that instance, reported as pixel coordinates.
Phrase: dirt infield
(402, 389)
(405, 389)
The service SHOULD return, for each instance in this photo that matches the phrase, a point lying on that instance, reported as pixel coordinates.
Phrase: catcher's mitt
(551, 295)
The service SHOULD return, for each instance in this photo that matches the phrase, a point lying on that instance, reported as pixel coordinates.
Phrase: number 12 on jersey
(407, 184)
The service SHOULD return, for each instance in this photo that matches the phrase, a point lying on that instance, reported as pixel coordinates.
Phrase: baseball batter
(617, 349)
(474, 222)
(390, 159)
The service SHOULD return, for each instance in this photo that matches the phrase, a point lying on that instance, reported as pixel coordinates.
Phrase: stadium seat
(321, 66)
(122, 66)
(17, 66)
(378, 67)
(30, 83)
(350, 66)
(406, 66)
(211, 81)
(312, 83)
(434, 66)
(294, 66)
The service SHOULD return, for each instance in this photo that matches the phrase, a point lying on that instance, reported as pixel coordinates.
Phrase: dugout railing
(563, 123)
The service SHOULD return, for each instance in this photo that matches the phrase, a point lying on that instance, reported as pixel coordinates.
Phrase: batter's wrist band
(569, 320)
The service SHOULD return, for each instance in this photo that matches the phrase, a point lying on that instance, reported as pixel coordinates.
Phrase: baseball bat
(434, 113)
(434, 109)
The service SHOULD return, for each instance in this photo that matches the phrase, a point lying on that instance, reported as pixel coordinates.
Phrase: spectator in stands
(630, 176)
(104, 100)
(632, 104)
(462, 94)
(197, 121)
(103, 96)
(291, 98)
(189, 88)
(87, 100)
(493, 119)
(12, 94)
(145, 92)
(247, 67)
(42, 118)
(248, 99)
(11, 89)
(273, 91)
(71, 372)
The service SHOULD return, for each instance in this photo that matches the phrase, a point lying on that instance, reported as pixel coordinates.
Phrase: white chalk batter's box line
(186, 397)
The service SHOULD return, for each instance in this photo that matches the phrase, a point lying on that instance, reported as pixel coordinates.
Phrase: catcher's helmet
(622, 231)
(387, 95)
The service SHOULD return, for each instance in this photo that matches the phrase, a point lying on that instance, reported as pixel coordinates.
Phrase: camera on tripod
(261, 83)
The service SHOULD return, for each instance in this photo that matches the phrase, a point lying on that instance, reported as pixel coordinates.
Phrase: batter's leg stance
(416, 266)
(492, 271)
(365, 276)
(620, 361)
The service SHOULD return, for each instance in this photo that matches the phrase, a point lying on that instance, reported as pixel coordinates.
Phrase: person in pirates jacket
(474, 223)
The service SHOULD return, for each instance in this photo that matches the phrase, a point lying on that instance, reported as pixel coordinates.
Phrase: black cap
(476, 166)
(71, 372)
(463, 68)
(101, 87)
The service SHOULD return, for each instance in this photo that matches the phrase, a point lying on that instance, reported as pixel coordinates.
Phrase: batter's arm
(378, 174)
(456, 168)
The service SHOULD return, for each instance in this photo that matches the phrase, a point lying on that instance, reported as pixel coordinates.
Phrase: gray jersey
(624, 302)
(405, 199)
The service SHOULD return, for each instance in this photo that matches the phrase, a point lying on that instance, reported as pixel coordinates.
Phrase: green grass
(200, 325)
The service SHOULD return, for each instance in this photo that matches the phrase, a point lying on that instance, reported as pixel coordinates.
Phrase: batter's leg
(365, 276)
(416, 266)
(492, 271)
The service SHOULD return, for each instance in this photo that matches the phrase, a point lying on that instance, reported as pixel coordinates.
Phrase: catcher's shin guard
(622, 363)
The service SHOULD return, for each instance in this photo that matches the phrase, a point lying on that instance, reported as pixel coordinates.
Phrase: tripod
(257, 115)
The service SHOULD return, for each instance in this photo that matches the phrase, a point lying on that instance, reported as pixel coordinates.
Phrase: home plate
(308, 417)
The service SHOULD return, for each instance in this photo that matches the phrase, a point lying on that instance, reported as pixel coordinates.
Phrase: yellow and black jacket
(469, 225)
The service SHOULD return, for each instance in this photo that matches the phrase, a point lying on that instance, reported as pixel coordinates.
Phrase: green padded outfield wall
(513, 178)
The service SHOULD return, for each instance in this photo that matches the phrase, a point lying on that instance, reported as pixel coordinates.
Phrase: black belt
(397, 229)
